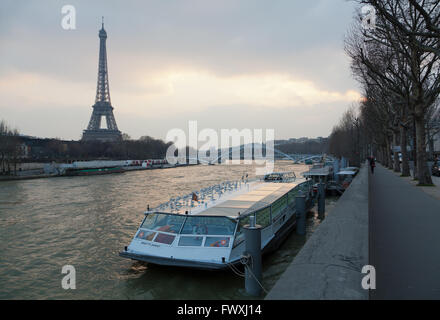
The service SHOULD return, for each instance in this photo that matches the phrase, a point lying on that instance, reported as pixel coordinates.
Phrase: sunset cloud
(177, 92)
(226, 63)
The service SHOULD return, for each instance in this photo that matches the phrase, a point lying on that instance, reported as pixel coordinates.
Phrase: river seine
(85, 221)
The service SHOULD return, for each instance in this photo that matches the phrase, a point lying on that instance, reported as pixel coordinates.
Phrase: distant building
(24, 150)
(302, 140)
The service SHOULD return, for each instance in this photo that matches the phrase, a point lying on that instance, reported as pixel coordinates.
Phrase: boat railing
(279, 177)
(204, 195)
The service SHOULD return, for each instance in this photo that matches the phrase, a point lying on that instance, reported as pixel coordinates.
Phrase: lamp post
(358, 149)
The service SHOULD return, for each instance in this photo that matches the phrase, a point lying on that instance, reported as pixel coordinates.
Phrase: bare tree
(378, 69)
(427, 13)
(402, 32)
(10, 149)
(344, 140)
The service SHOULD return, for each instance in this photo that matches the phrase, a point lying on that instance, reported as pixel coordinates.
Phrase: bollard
(321, 201)
(253, 251)
(300, 204)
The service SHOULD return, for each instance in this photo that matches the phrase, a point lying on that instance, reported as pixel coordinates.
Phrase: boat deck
(253, 196)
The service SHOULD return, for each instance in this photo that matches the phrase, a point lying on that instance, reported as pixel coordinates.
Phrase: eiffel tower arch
(102, 107)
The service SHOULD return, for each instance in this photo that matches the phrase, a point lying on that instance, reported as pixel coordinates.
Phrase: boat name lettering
(150, 244)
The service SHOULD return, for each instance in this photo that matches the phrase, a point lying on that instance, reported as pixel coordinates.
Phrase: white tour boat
(205, 229)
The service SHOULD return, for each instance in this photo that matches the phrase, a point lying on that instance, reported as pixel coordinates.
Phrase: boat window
(292, 195)
(190, 241)
(164, 238)
(145, 235)
(278, 207)
(163, 222)
(208, 225)
(263, 217)
(245, 221)
(217, 242)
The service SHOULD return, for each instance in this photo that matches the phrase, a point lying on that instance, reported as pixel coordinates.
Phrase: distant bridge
(296, 158)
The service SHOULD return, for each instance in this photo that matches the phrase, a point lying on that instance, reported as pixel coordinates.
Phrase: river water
(85, 221)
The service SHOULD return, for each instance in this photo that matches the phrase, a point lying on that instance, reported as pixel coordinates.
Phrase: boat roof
(258, 198)
(346, 172)
(350, 169)
(324, 171)
(235, 204)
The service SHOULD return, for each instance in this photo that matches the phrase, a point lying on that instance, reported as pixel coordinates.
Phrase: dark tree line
(15, 149)
(10, 148)
(307, 147)
(396, 60)
(348, 138)
(58, 150)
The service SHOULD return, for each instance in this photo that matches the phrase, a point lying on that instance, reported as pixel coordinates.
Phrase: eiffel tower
(102, 106)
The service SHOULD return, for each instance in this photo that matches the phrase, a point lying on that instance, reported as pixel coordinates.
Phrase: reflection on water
(85, 221)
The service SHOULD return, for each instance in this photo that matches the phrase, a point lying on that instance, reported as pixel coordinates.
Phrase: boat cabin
(319, 174)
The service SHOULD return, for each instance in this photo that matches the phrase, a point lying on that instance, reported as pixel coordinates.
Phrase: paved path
(404, 239)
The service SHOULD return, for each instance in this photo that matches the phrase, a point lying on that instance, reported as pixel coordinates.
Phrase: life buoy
(219, 243)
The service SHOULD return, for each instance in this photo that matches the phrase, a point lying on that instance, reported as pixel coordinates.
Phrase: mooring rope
(253, 275)
(235, 270)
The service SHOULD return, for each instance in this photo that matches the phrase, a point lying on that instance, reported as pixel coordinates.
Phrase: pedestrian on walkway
(372, 164)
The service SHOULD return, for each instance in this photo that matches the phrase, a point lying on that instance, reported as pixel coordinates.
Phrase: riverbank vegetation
(16, 148)
(10, 148)
(58, 150)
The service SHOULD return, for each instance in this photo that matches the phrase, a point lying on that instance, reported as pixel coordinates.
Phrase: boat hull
(176, 262)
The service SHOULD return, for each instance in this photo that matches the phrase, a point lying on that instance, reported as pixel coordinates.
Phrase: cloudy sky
(225, 63)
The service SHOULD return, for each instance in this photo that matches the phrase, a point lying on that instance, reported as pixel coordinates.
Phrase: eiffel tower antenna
(102, 106)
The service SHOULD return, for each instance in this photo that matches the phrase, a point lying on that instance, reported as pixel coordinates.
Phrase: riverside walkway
(330, 263)
(404, 235)
(382, 220)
